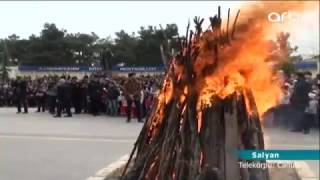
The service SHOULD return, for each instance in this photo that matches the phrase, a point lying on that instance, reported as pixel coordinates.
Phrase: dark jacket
(300, 93)
(67, 89)
(60, 92)
(94, 89)
(64, 92)
(77, 91)
(20, 89)
(113, 93)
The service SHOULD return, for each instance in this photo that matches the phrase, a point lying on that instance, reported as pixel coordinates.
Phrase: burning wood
(204, 113)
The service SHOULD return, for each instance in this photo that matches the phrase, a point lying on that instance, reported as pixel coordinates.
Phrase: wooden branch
(227, 34)
(172, 146)
(231, 138)
(234, 24)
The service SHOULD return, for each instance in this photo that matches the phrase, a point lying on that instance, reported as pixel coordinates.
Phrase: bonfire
(208, 107)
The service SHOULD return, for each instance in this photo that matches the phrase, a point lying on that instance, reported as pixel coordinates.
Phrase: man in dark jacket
(94, 93)
(84, 94)
(67, 97)
(21, 94)
(64, 91)
(299, 101)
(76, 95)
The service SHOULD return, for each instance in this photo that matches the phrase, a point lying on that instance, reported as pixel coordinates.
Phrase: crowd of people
(95, 94)
(134, 96)
(299, 107)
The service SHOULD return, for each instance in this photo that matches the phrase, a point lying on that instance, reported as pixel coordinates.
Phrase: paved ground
(39, 147)
(280, 138)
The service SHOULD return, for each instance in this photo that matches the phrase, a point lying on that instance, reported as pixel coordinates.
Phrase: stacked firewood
(184, 139)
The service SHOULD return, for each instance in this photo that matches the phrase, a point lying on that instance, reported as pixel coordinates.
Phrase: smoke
(299, 18)
(243, 64)
(260, 10)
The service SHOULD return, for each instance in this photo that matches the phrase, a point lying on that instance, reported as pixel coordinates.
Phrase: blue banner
(139, 69)
(279, 154)
(60, 68)
(306, 65)
(91, 68)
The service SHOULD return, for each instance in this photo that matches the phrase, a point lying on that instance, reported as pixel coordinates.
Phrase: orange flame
(240, 65)
(243, 64)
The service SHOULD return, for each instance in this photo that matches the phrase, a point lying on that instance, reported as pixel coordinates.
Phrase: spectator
(63, 98)
(94, 92)
(299, 101)
(311, 110)
(20, 92)
(41, 96)
(59, 94)
(113, 94)
(76, 95)
(132, 90)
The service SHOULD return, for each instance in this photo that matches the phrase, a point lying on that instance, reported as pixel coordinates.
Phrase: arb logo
(282, 17)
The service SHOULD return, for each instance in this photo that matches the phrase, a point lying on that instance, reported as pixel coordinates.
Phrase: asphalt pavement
(36, 146)
(281, 138)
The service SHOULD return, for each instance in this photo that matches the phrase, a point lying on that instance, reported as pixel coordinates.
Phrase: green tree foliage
(282, 53)
(124, 48)
(56, 46)
(4, 60)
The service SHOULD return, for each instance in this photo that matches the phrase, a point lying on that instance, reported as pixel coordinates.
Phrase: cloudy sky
(106, 17)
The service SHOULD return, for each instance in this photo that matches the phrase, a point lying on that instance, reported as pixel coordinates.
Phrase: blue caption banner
(279, 154)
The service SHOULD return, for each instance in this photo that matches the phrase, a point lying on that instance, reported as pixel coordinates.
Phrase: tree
(282, 53)
(56, 46)
(124, 48)
(150, 39)
(14, 47)
(46, 49)
(53, 47)
(4, 71)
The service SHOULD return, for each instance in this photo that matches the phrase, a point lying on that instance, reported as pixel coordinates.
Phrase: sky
(107, 17)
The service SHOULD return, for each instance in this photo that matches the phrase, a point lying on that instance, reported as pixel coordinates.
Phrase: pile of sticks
(179, 141)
